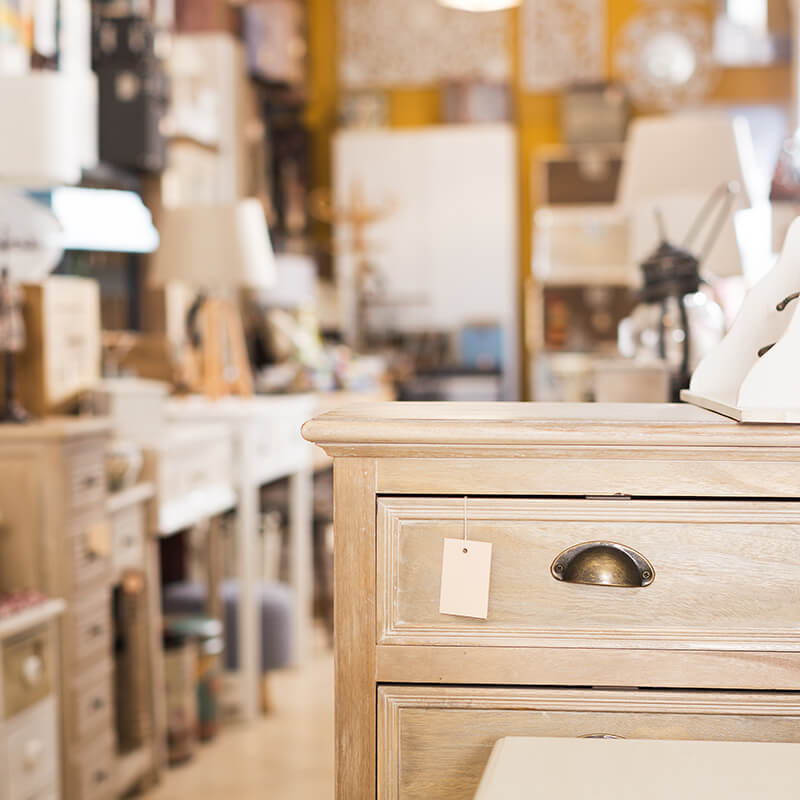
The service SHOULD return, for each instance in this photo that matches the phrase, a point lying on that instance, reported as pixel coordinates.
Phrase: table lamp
(216, 250)
(673, 164)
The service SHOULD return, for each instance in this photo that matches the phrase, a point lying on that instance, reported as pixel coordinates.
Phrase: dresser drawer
(86, 475)
(90, 701)
(27, 670)
(89, 623)
(717, 575)
(435, 742)
(90, 549)
(127, 537)
(193, 466)
(33, 752)
(92, 776)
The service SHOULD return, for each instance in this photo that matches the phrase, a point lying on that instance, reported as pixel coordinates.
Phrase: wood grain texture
(644, 472)
(720, 615)
(435, 742)
(539, 424)
(354, 610)
(568, 666)
(727, 575)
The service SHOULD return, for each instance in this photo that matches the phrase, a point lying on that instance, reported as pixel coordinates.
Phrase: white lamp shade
(215, 247)
(691, 153)
(51, 130)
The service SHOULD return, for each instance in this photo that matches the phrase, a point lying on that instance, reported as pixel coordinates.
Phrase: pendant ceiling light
(480, 5)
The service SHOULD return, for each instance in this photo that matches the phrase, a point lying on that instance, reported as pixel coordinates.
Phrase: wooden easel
(220, 365)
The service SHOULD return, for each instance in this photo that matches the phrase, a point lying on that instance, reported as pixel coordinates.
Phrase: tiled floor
(288, 755)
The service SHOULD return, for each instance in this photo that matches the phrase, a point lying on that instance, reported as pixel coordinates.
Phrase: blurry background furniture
(431, 272)
(56, 539)
(29, 699)
(585, 267)
(216, 250)
(266, 447)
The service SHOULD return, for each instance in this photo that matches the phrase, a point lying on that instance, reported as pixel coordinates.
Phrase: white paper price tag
(466, 570)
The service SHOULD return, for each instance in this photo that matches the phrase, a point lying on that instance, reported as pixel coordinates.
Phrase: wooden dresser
(645, 583)
(55, 538)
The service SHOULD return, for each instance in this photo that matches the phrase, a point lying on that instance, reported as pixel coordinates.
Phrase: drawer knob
(603, 564)
(32, 753)
(32, 671)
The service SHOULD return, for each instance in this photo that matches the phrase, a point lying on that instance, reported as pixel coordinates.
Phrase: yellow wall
(537, 114)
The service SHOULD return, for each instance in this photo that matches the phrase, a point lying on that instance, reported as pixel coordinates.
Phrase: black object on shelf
(133, 93)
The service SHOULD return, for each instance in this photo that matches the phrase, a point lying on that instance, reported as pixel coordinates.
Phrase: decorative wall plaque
(562, 42)
(418, 42)
(665, 58)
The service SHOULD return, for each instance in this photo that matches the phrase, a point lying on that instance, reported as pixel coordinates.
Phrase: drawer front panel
(91, 700)
(725, 575)
(33, 752)
(86, 474)
(189, 469)
(90, 546)
(27, 670)
(91, 629)
(127, 536)
(92, 778)
(434, 743)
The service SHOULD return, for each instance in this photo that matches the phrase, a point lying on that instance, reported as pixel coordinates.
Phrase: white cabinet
(446, 253)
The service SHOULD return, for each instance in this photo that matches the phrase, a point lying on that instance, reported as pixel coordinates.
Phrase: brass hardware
(603, 564)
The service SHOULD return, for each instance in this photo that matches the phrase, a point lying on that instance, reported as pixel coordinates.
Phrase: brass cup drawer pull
(603, 564)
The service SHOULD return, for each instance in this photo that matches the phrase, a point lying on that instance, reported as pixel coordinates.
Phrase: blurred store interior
(219, 218)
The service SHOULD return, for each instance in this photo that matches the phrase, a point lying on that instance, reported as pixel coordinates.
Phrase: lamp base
(220, 364)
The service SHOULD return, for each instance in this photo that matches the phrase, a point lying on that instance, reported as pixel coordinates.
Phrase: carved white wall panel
(562, 42)
(418, 43)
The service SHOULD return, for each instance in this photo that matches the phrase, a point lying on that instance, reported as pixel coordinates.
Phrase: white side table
(267, 446)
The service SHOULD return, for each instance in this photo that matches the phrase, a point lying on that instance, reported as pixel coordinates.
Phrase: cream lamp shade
(215, 248)
(49, 130)
(687, 153)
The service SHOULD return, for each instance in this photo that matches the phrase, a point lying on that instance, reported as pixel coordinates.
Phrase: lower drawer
(434, 742)
(89, 629)
(90, 702)
(92, 775)
(33, 752)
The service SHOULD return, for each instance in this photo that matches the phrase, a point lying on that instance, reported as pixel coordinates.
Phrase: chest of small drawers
(29, 708)
(56, 538)
(645, 583)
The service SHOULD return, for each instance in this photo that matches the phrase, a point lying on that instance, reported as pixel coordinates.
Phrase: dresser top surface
(676, 425)
(30, 617)
(54, 428)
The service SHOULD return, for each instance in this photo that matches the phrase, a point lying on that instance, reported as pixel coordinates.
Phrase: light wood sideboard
(693, 517)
